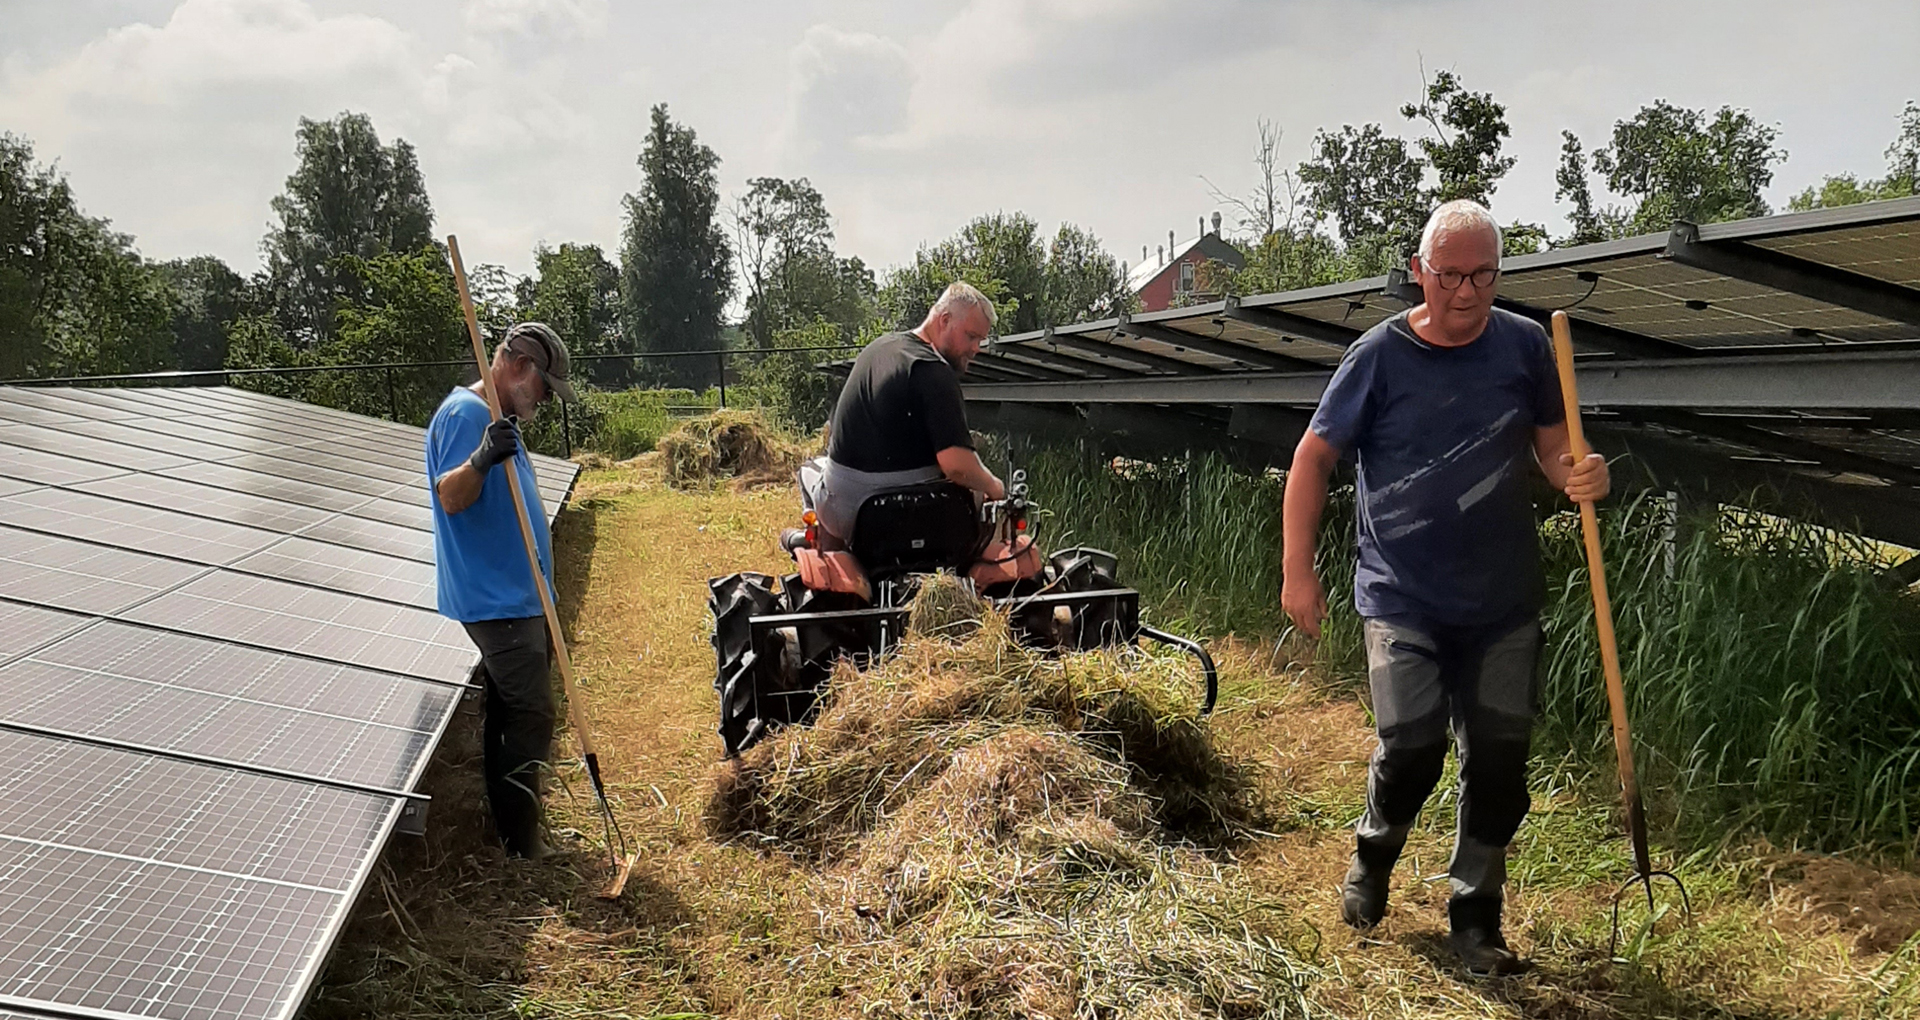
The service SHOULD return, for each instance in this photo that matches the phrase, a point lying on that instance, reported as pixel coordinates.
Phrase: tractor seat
(916, 529)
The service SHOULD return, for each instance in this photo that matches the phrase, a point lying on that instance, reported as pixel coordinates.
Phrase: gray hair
(1459, 214)
(960, 296)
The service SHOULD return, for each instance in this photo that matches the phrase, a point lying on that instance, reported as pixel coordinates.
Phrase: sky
(175, 118)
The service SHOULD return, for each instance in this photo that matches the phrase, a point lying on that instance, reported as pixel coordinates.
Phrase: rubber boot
(1363, 896)
(1476, 938)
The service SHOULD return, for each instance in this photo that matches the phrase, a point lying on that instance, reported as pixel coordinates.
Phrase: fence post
(393, 400)
(721, 359)
(566, 430)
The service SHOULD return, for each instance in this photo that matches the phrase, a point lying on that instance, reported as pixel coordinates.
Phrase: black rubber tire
(734, 600)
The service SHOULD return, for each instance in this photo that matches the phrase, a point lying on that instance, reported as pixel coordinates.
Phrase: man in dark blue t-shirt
(1447, 409)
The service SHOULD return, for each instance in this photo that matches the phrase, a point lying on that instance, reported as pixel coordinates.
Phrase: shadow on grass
(1584, 984)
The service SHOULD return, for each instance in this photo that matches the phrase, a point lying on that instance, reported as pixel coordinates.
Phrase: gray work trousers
(1483, 684)
(517, 732)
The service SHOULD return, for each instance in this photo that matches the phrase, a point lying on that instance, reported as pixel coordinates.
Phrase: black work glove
(499, 442)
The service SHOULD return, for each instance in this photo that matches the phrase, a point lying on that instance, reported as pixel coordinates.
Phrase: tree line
(352, 272)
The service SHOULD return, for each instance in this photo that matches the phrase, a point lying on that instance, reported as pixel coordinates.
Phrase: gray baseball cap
(548, 352)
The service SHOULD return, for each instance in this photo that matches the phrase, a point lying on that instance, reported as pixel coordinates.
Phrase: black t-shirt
(900, 407)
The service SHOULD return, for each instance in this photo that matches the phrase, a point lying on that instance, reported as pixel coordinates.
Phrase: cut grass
(737, 929)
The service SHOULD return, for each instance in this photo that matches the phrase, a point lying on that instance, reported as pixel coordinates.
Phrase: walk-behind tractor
(776, 642)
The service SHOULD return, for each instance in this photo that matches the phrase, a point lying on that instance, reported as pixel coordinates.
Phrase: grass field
(711, 929)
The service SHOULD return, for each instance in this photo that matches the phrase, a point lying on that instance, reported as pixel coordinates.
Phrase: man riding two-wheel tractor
(776, 641)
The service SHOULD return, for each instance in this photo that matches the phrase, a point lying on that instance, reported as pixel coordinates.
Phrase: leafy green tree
(1572, 186)
(1290, 258)
(674, 259)
(211, 296)
(1680, 164)
(1521, 238)
(577, 292)
(1471, 128)
(1902, 180)
(1370, 186)
(75, 297)
(784, 243)
(1031, 283)
(351, 196)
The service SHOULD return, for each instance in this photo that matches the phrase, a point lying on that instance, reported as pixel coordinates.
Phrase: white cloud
(845, 89)
(554, 18)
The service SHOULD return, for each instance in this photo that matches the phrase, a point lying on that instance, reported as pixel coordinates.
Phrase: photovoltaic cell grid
(223, 673)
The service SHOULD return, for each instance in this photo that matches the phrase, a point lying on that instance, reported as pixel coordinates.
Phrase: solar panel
(140, 886)
(176, 693)
(84, 578)
(24, 628)
(329, 477)
(375, 536)
(355, 571)
(293, 490)
(145, 528)
(325, 624)
(222, 674)
(100, 451)
(208, 501)
(98, 405)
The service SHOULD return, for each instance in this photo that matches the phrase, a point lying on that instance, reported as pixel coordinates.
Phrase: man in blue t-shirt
(1447, 409)
(481, 574)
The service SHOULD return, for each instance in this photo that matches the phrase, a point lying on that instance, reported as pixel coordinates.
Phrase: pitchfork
(1644, 873)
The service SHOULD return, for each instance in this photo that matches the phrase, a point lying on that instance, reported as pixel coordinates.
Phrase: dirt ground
(452, 928)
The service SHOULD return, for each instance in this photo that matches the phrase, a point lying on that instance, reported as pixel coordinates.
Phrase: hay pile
(995, 833)
(727, 445)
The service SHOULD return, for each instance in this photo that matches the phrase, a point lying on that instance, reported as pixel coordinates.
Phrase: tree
(1470, 126)
(1677, 164)
(350, 196)
(577, 292)
(211, 297)
(1370, 186)
(1265, 209)
(1031, 283)
(784, 243)
(1572, 186)
(674, 259)
(411, 313)
(1902, 180)
(1290, 258)
(75, 297)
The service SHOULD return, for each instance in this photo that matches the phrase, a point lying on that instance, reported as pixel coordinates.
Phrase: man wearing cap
(481, 573)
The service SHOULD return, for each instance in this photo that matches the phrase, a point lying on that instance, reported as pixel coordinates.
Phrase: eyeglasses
(1450, 280)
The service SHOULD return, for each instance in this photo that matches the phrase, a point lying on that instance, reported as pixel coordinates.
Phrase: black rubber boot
(1363, 896)
(1476, 938)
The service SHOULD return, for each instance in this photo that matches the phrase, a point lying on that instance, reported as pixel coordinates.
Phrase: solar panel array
(224, 676)
(1806, 303)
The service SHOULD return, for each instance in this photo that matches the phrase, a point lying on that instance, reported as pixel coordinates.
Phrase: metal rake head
(1644, 880)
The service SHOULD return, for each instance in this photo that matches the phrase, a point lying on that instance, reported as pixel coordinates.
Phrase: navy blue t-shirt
(1442, 439)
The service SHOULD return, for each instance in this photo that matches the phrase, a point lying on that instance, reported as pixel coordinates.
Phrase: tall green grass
(617, 423)
(1774, 679)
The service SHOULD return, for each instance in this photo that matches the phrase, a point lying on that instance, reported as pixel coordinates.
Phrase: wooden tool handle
(1602, 604)
(575, 712)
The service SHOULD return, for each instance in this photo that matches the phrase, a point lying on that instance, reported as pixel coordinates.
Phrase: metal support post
(721, 360)
(566, 430)
(393, 399)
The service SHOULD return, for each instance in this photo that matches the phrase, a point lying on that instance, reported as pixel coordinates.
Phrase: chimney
(1203, 227)
(1143, 254)
(1159, 255)
(1216, 222)
(1123, 272)
(1169, 244)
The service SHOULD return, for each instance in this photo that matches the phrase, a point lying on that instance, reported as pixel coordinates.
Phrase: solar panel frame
(150, 529)
(65, 574)
(184, 929)
(182, 695)
(314, 622)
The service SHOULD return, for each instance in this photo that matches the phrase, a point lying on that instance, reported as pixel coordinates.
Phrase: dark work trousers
(518, 729)
(1482, 682)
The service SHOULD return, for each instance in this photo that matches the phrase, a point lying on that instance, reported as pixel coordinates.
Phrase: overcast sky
(176, 119)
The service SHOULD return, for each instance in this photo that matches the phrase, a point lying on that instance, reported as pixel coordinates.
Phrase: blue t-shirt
(480, 560)
(1442, 437)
